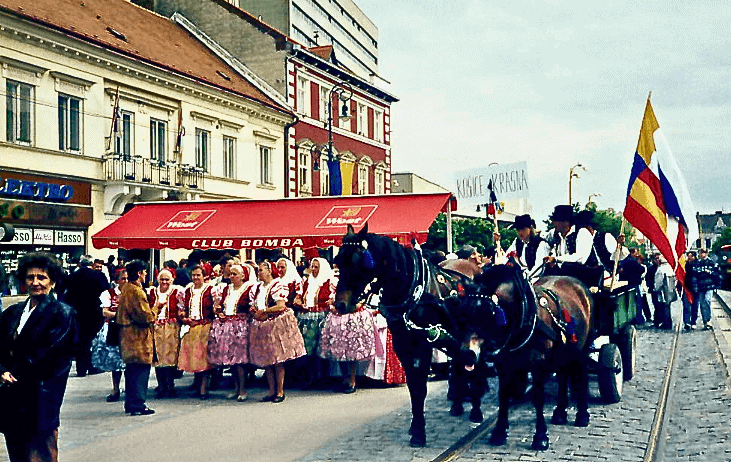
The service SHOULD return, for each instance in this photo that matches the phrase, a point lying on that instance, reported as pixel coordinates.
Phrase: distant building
(413, 183)
(710, 228)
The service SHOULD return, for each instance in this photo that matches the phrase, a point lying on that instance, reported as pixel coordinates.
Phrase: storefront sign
(340, 216)
(43, 189)
(43, 236)
(188, 220)
(23, 236)
(509, 181)
(42, 213)
(69, 237)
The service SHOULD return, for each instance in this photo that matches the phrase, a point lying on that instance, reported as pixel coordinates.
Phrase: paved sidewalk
(722, 327)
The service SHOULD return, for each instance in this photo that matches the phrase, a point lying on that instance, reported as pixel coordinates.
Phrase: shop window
(19, 111)
(69, 123)
(229, 157)
(158, 137)
(202, 149)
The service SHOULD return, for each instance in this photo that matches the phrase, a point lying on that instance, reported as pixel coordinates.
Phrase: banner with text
(510, 181)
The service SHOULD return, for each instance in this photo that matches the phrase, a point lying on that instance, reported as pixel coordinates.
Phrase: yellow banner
(346, 175)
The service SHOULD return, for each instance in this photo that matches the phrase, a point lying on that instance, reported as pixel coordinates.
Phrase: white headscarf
(314, 283)
(291, 275)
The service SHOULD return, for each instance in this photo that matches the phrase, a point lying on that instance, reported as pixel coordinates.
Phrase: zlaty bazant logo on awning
(341, 216)
(186, 220)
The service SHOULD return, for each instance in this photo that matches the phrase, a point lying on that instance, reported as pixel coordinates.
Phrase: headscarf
(314, 283)
(291, 274)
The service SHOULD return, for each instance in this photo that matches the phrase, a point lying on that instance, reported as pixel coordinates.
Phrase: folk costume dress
(229, 340)
(107, 357)
(197, 305)
(317, 295)
(167, 325)
(349, 336)
(277, 339)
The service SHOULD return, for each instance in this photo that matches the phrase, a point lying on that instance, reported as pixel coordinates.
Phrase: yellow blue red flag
(658, 201)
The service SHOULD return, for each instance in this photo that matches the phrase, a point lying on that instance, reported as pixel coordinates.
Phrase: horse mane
(392, 265)
(494, 275)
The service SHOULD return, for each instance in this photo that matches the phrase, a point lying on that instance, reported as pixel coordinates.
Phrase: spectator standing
(663, 294)
(106, 356)
(83, 288)
(705, 278)
(690, 316)
(100, 266)
(182, 275)
(632, 271)
(164, 301)
(36, 341)
(136, 318)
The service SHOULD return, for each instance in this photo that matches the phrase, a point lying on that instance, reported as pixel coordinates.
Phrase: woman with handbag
(105, 353)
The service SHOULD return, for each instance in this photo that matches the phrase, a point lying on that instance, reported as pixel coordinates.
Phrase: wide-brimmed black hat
(524, 221)
(562, 213)
(584, 218)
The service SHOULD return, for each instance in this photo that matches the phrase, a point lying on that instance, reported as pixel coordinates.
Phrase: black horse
(420, 301)
(537, 334)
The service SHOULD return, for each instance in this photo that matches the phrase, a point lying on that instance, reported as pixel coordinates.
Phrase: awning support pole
(449, 226)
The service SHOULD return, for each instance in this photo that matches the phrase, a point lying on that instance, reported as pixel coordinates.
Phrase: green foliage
(724, 239)
(473, 231)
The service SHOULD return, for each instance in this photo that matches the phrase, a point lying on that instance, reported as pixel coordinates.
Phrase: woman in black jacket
(37, 339)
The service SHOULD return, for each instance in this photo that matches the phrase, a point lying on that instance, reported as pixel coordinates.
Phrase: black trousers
(136, 377)
(32, 448)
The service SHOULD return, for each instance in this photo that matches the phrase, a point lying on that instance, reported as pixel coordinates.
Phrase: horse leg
(455, 392)
(559, 414)
(477, 389)
(540, 439)
(499, 434)
(417, 373)
(582, 396)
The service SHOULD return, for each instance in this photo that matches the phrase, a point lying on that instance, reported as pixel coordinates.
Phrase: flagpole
(114, 118)
(616, 255)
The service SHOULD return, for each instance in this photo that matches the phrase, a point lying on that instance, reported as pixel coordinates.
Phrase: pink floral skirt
(194, 349)
(229, 341)
(348, 337)
(275, 340)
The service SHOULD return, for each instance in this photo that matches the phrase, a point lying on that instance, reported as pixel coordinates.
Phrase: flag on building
(658, 201)
(336, 184)
(494, 206)
(347, 169)
(180, 134)
(115, 133)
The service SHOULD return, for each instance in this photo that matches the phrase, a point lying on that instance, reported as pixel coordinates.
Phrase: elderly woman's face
(282, 267)
(37, 282)
(315, 268)
(236, 276)
(165, 280)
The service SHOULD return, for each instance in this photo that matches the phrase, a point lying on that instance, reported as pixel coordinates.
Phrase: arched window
(364, 167)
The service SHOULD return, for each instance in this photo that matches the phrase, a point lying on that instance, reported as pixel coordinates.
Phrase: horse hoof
(476, 415)
(582, 419)
(498, 437)
(417, 441)
(540, 443)
(559, 417)
(456, 409)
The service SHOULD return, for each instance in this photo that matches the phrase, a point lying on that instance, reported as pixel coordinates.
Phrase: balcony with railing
(137, 169)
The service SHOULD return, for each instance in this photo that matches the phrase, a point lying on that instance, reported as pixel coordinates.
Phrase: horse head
(357, 269)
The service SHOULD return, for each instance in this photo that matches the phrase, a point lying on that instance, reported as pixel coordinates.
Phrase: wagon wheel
(628, 348)
(610, 382)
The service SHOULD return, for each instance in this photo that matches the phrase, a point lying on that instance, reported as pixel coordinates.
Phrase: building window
(19, 111)
(265, 165)
(363, 179)
(158, 136)
(324, 92)
(377, 124)
(229, 157)
(379, 181)
(202, 149)
(69, 123)
(303, 96)
(324, 177)
(304, 171)
(123, 139)
(362, 128)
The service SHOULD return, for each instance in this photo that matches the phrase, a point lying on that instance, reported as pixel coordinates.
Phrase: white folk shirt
(543, 250)
(230, 304)
(584, 247)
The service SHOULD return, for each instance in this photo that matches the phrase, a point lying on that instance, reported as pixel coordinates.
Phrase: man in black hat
(530, 249)
(562, 218)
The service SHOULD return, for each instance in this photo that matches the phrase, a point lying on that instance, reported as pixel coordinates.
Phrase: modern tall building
(312, 23)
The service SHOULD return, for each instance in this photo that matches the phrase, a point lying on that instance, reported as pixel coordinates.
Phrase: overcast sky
(555, 83)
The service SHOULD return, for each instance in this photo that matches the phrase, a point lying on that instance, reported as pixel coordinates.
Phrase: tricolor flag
(658, 202)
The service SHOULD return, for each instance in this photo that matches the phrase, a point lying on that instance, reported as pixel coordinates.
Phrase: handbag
(113, 337)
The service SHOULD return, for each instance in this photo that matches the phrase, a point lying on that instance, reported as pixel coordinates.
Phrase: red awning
(239, 224)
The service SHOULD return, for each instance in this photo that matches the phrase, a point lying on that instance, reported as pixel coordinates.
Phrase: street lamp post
(572, 175)
(591, 198)
(345, 93)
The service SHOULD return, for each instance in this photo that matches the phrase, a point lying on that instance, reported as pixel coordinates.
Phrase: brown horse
(539, 335)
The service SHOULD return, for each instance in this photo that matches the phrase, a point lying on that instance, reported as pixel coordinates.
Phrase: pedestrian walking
(705, 277)
(84, 286)
(36, 343)
(105, 354)
(136, 318)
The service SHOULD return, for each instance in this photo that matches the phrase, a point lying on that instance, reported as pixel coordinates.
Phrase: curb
(722, 330)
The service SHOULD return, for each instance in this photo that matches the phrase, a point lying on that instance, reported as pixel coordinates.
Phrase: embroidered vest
(172, 307)
(530, 250)
(242, 304)
(206, 303)
(321, 298)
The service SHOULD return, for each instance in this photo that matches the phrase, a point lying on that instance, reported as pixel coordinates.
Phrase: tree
(476, 232)
(724, 239)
